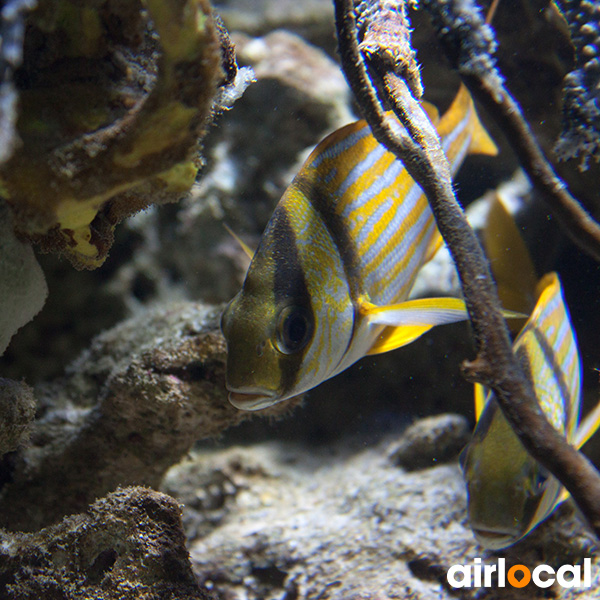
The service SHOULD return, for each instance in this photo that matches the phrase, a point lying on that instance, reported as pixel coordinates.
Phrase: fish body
(509, 492)
(328, 282)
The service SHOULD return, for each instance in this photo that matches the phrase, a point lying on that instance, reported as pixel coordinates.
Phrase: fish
(510, 493)
(329, 281)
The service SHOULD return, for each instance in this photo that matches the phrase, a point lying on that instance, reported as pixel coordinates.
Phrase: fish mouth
(495, 540)
(253, 401)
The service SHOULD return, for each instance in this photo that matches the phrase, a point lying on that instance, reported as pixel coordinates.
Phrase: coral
(113, 100)
(581, 109)
(129, 545)
(23, 289)
(129, 408)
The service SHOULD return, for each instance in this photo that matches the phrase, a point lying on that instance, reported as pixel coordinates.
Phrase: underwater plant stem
(469, 45)
(577, 223)
(496, 366)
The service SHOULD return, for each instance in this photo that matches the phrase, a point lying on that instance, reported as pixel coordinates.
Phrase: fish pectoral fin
(409, 320)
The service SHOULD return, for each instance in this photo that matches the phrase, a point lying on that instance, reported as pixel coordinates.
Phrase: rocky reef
(124, 470)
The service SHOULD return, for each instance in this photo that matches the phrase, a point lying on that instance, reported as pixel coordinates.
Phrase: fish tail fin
(481, 142)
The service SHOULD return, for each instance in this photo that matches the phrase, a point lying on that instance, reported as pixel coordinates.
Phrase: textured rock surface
(129, 545)
(127, 409)
(17, 410)
(431, 441)
(342, 523)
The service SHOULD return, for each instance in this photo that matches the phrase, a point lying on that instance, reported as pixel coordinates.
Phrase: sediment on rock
(127, 545)
(129, 408)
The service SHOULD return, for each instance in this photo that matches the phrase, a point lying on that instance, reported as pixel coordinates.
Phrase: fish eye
(294, 329)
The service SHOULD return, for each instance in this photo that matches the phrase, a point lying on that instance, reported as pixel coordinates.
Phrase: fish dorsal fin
(509, 258)
(462, 105)
(247, 250)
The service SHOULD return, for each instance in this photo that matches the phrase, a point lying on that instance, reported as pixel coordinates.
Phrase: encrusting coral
(581, 110)
(113, 98)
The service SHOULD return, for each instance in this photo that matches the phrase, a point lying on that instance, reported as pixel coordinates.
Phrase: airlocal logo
(519, 576)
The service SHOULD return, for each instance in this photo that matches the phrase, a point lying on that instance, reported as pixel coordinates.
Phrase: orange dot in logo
(523, 581)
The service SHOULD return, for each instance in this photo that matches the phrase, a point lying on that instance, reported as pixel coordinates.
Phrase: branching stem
(496, 367)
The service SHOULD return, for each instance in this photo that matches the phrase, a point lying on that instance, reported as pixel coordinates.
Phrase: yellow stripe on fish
(329, 280)
(509, 493)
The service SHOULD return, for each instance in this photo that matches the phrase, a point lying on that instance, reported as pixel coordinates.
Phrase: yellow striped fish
(509, 493)
(329, 281)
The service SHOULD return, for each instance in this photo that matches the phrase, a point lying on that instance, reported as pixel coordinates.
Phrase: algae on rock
(113, 98)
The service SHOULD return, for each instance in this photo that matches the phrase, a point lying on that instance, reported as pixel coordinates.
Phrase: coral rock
(113, 100)
(127, 545)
